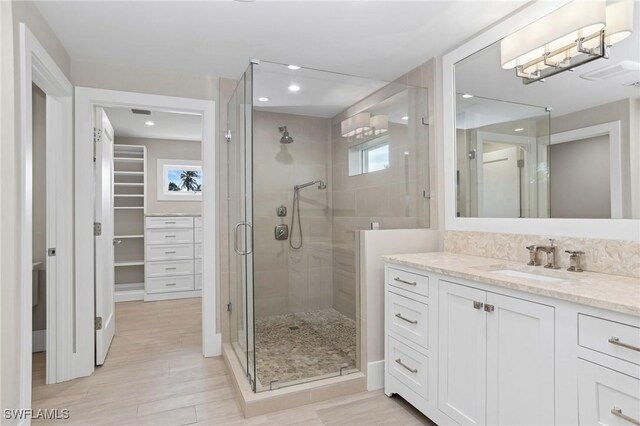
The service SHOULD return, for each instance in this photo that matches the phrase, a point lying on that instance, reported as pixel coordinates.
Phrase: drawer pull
(404, 282)
(168, 223)
(169, 284)
(169, 236)
(170, 269)
(618, 413)
(413, 370)
(477, 305)
(405, 319)
(615, 341)
(169, 252)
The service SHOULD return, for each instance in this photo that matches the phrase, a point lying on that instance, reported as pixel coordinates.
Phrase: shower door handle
(236, 245)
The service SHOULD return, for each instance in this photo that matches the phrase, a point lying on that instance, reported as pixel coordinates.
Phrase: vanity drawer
(169, 252)
(198, 267)
(605, 396)
(198, 282)
(609, 337)
(408, 318)
(198, 235)
(169, 222)
(172, 267)
(408, 366)
(197, 251)
(167, 284)
(408, 281)
(169, 236)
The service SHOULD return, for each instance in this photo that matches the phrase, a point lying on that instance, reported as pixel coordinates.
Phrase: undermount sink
(527, 275)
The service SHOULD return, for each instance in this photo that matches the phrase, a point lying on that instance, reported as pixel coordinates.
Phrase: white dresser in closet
(172, 254)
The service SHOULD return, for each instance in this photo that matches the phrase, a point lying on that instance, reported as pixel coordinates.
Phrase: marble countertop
(172, 214)
(612, 292)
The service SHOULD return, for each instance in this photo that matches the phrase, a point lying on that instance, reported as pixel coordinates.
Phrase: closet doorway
(154, 224)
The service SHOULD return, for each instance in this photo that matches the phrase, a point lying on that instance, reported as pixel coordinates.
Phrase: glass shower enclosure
(312, 158)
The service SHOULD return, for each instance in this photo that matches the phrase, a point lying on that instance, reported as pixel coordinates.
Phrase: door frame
(86, 100)
(37, 66)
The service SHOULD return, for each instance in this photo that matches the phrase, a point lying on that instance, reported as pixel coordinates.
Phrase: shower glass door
(240, 245)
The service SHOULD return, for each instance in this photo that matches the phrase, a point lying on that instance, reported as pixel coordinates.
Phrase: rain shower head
(285, 139)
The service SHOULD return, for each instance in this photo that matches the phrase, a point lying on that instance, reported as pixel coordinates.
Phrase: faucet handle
(574, 252)
(531, 247)
(551, 241)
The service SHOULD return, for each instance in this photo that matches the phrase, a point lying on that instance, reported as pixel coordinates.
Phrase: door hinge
(229, 307)
(51, 251)
(97, 229)
(98, 323)
(97, 135)
(227, 135)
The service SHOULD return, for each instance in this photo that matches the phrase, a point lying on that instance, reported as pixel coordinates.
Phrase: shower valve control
(281, 211)
(282, 232)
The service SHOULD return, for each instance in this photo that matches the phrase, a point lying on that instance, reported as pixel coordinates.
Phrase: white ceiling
(168, 125)
(377, 39)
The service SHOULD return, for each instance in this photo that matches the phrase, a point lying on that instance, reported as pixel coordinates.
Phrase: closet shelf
(129, 195)
(129, 263)
(128, 159)
(129, 208)
(128, 184)
(128, 236)
(124, 173)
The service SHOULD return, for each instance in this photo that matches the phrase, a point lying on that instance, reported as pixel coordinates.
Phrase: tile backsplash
(604, 256)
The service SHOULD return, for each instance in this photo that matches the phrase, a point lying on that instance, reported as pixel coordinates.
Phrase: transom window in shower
(370, 156)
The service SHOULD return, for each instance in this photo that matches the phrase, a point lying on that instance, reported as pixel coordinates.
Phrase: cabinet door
(462, 353)
(520, 362)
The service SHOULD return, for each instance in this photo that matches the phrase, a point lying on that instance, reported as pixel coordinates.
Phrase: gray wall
(166, 149)
(580, 180)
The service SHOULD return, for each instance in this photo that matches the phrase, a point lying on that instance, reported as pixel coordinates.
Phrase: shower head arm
(304, 185)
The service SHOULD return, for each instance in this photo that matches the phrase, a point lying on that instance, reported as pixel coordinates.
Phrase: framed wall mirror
(532, 142)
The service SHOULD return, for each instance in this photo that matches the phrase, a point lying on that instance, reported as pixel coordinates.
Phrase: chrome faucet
(552, 254)
(575, 260)
(533, 256)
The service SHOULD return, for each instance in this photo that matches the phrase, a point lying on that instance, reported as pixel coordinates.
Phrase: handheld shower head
(285, 139)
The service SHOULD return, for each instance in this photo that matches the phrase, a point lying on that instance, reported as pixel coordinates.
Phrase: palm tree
(173, 187)
(188, 178)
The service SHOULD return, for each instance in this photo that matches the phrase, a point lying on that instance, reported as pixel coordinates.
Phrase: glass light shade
(355, 125)
(557, 29)
(379, 124)
(619, 21)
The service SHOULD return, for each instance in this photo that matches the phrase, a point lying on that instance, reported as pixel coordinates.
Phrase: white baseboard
(375, 375)
(216, 349)
(39, 341)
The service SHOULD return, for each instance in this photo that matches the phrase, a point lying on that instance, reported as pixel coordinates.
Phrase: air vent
(140, 111)
(612, 71)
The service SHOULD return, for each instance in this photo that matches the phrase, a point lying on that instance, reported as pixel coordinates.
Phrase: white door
(520, 362)
(104, 261)
(500, 184)
(462, 353)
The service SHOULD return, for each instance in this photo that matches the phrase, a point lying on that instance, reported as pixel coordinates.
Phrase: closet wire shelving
(129, 207)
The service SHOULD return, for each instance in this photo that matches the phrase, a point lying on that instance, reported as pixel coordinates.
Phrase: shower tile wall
(287, 280)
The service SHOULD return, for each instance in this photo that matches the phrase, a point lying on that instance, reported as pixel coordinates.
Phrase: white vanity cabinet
(496, 357)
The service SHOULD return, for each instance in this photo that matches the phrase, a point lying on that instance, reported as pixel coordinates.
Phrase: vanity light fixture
(263, 99)
(149, 123)
(294, 88)
(467, 95)
(573, 35)
(293, 67)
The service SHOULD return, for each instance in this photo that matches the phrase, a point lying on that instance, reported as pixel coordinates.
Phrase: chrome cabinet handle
(404, 282)
(477, 305)
(116, 242)
(169, 236)
(413, 370)
(170, 269)
(169, 284)
(618, 413)
(489, 308)
(169, 252)
(615, 341)
(167, 223)
(405, 319)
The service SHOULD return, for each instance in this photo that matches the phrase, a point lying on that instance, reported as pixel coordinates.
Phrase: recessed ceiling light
(263, 99)
(467, 95)
(149, 123)
(293, 67)
(404, 118)
(519, 129)
(294, 88)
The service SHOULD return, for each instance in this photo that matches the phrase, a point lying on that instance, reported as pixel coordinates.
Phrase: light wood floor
(155, 375)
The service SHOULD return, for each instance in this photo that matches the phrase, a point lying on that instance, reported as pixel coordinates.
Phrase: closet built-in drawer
(169, 252)
(197, 222)
(609, 337)
(198, 282)
(171, 267)
(169, 236)
(408, 318)
(167, 284)
(198, 267)
(169, 222)
(198, 235)
(197, 251)
(408, 281)
(606, 397)
(408, 366)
